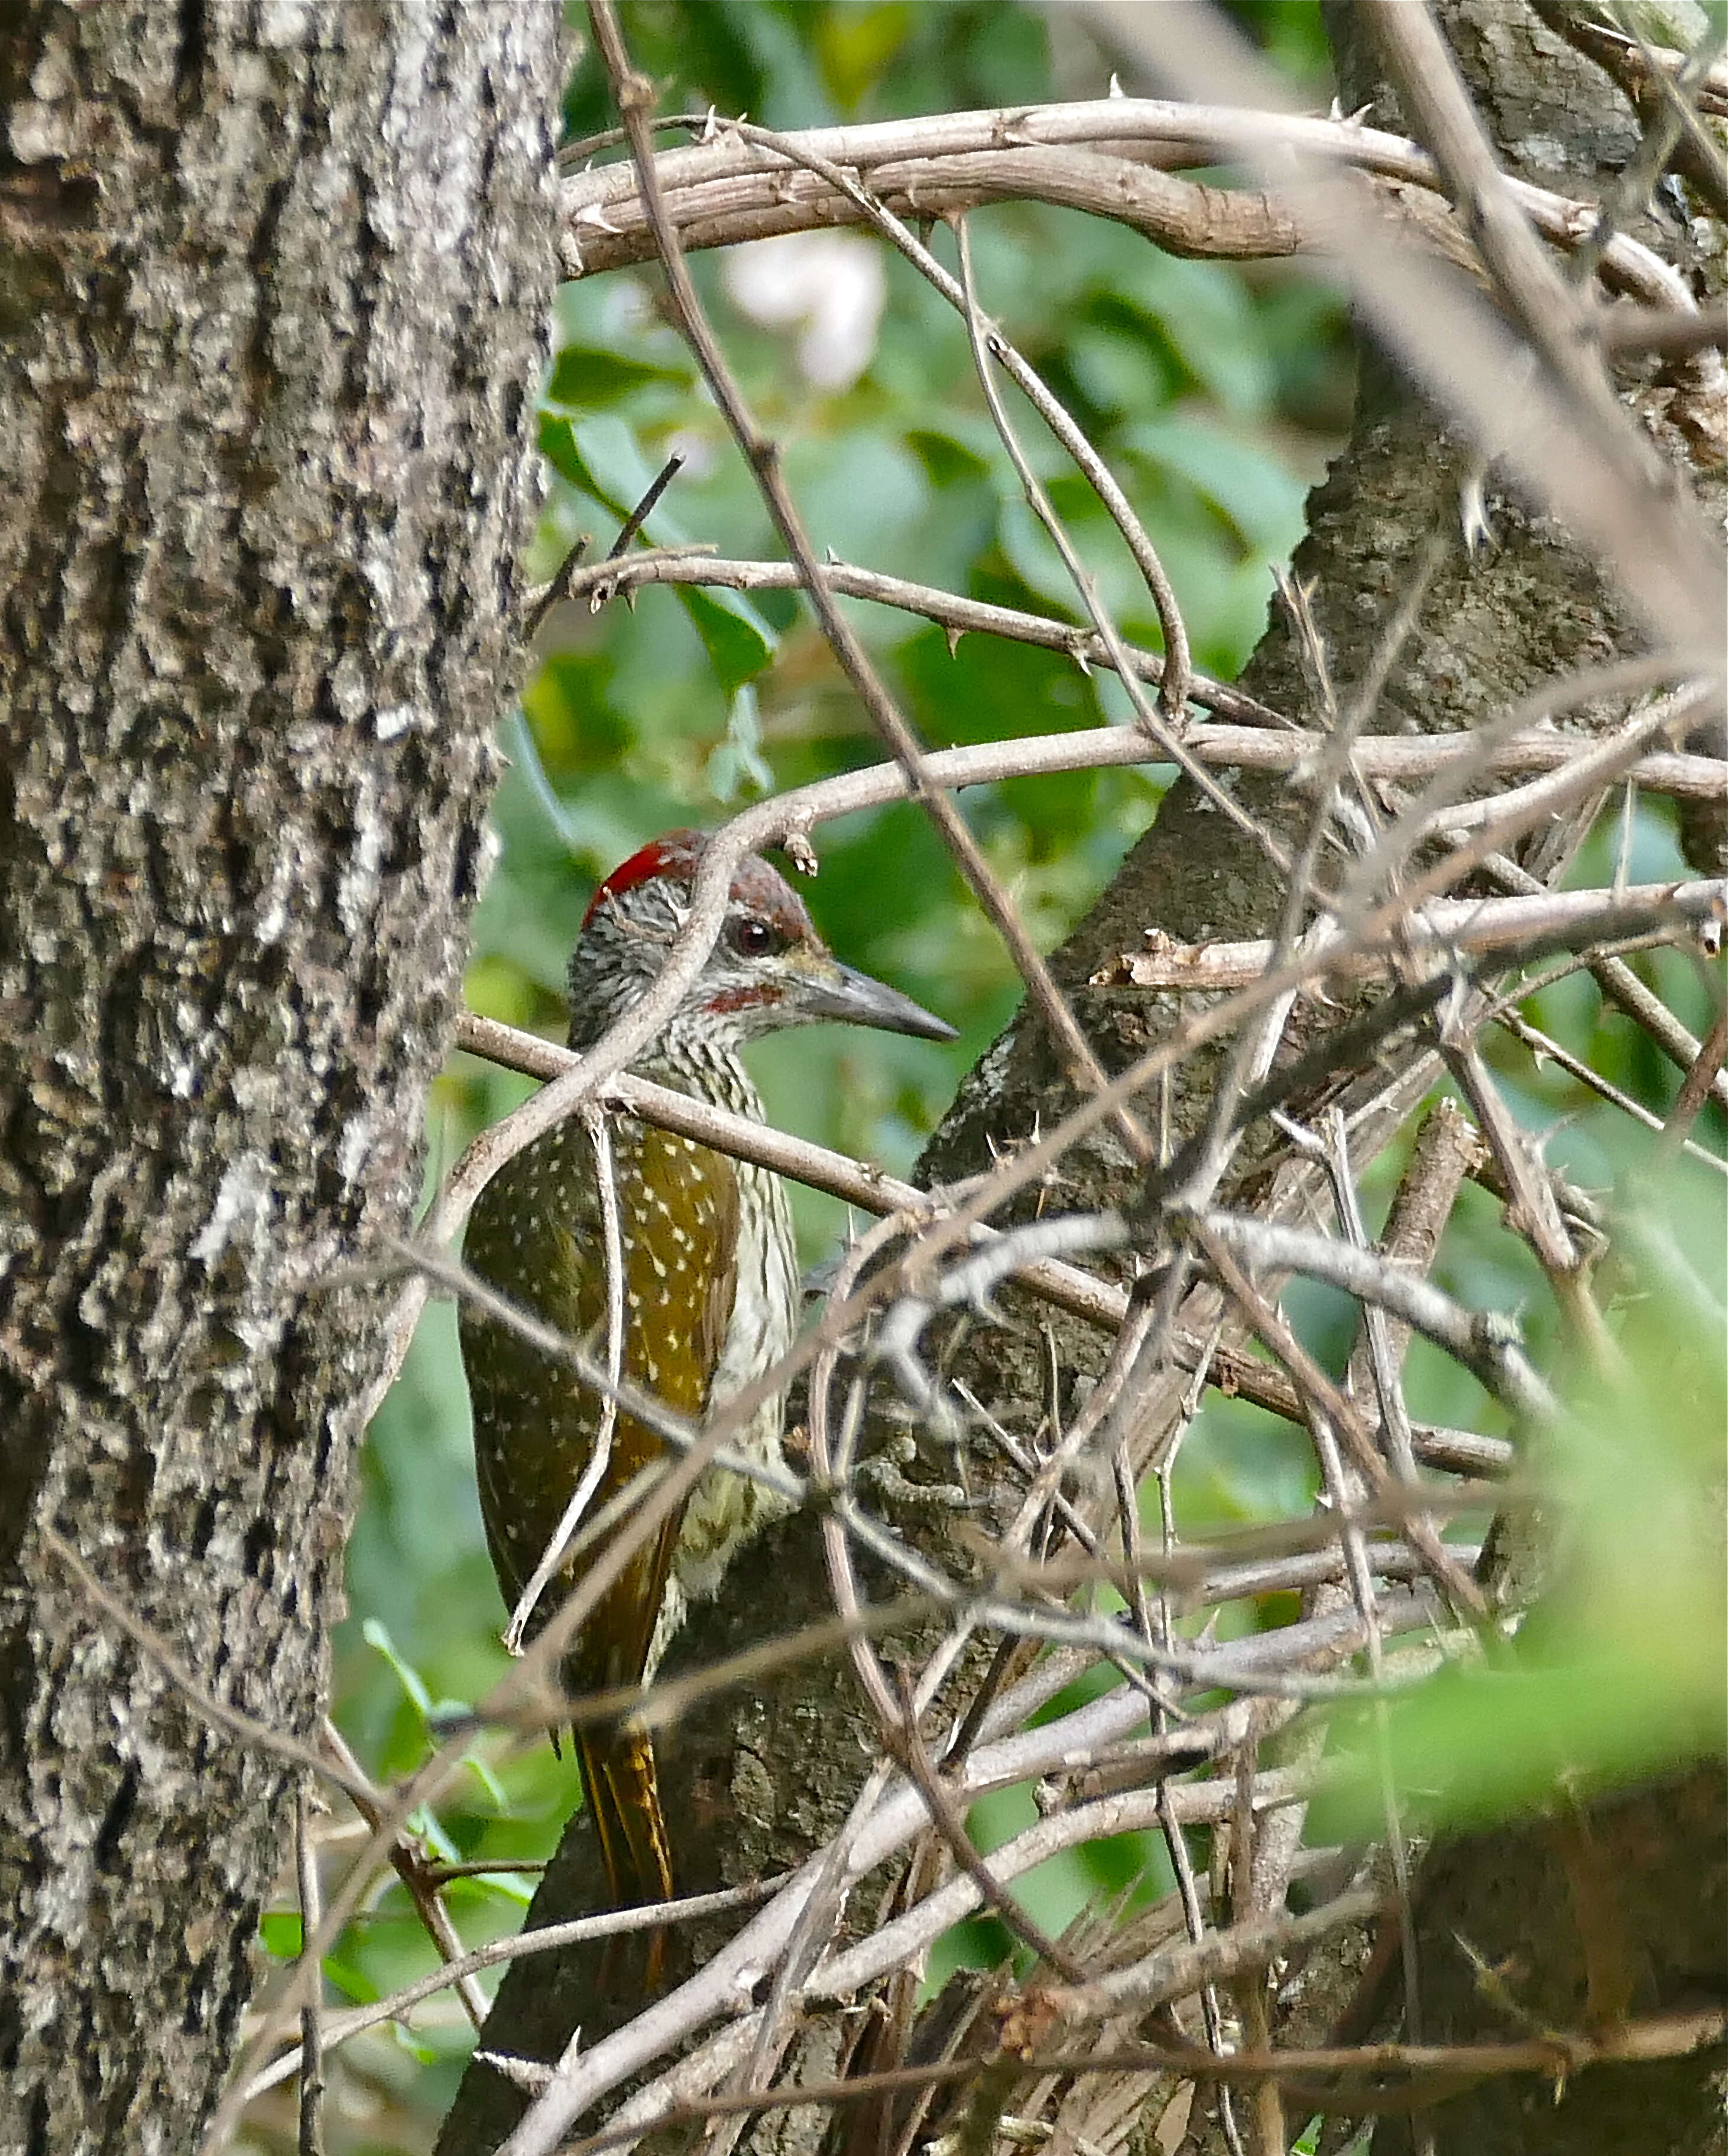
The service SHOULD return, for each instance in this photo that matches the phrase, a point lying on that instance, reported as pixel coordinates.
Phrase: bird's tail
(622, 1790)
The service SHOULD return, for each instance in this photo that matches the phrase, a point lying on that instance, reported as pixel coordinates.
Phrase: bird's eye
(751, 938)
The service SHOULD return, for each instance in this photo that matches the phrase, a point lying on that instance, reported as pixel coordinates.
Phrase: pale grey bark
(273, 299)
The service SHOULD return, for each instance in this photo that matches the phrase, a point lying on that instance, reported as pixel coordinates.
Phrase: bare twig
(1695, 1089)
(1175, 1971)
(336, 2028)
(634, 94)
(1551, 313)
(728, 1980)
(1174, 687)
(1547, 1049)
(416, 1877)
(1485, 1343)
(792, 1943)
(914, 1757)
(1563, 433)
(644, 508)
(725, 190)
(989, 343)
(1332, 2078)
(311, 2047)
(1514, 928)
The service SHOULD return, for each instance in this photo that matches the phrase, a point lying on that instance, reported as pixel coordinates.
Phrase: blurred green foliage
(1622, 1669)
(1214, 394)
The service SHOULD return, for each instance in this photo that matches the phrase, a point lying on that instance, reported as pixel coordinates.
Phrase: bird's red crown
(675, 856)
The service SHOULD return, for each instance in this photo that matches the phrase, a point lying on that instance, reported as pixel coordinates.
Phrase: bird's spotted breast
(537, 1232)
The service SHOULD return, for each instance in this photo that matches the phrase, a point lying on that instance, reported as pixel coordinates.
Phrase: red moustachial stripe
(740, 999)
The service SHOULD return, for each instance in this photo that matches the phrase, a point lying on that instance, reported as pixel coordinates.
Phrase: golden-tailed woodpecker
(710, 1292)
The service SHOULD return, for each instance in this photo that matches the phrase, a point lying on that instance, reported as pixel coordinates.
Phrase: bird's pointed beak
(855, 998)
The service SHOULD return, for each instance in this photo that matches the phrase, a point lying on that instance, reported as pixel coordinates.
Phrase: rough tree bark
(757, 1781)
(274, 300)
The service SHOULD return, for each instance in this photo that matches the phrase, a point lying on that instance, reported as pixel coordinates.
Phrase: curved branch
(1103, 157)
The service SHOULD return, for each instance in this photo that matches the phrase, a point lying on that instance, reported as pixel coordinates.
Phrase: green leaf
(423, 2052)
(424, 1822)
(603, 457)
(615, 469)
(1262, 501)
(1480, 1745)
(372, 1632)
(738, 761)
(282, 1934)
(589, 378)
(948, 459)
(352, 1982)
(523, 751)
(482, 1774)
(480, 1888)
(864, 494)
(1203, 314)
(1119, 369)
(558, 446)
(739, 642)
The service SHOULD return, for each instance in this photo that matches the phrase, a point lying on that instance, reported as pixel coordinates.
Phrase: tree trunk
(274, 297)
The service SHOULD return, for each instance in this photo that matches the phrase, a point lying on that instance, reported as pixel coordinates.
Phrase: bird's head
(769, 967)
